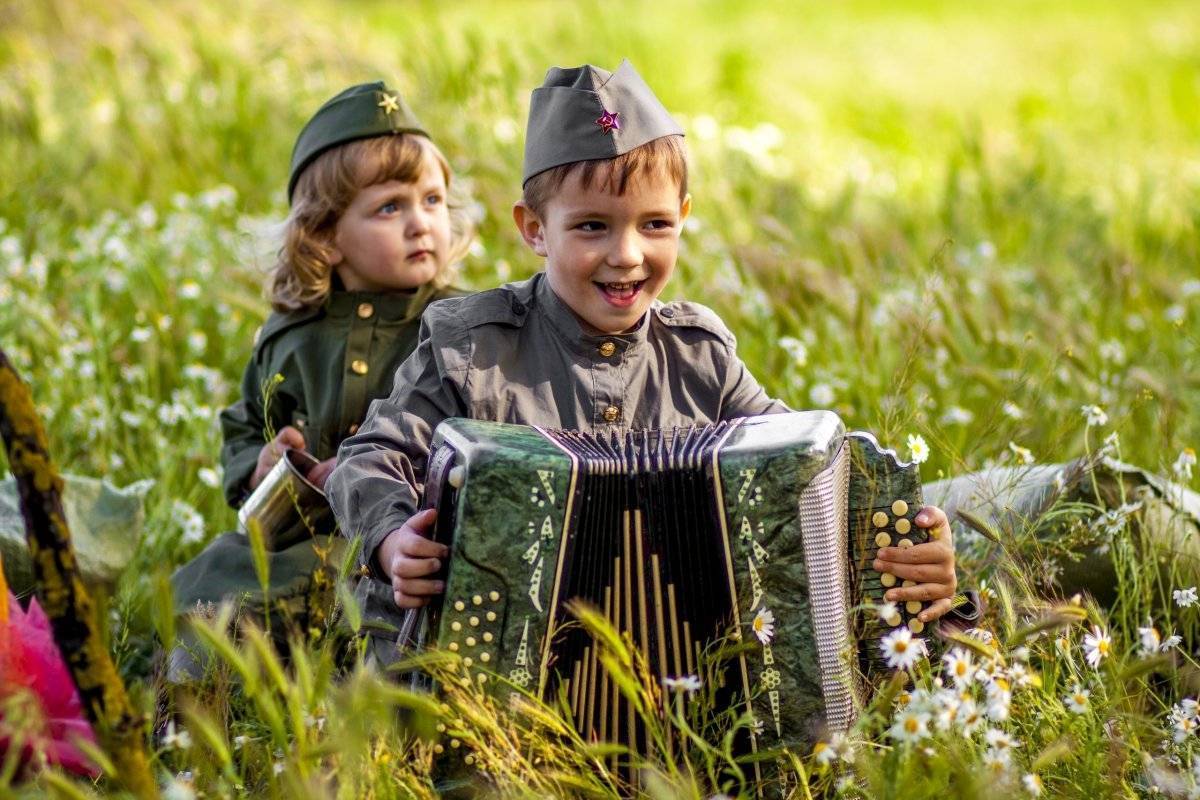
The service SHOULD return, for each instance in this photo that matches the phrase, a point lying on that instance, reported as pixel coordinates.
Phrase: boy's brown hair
(664, 157)
(303, 272)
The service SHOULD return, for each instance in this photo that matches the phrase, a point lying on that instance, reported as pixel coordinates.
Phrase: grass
(958, 221)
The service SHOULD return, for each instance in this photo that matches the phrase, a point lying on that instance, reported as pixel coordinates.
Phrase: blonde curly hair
(303, 273)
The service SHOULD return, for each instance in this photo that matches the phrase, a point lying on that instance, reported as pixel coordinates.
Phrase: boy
(584, 345)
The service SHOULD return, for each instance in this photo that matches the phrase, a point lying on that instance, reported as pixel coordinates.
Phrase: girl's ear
(328, 238)
(530, 226)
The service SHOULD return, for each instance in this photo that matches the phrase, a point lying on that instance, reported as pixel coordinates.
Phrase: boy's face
(394, 235)
(607, 256)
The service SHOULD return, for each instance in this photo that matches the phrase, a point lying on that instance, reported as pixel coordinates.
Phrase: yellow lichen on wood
(18, 406)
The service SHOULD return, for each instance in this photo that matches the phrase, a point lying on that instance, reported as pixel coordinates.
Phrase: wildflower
(956, 415)
(179, 789)
(1097, 646)
(1095, 415)
(176, 739)
(1033, 784)
(910, 726)
(917, 448)
(240, 741)
(970, 718)
(277, 768)
(901, 650)
(999, 705)
(959, 665)
(1077, 701)
(888, 613)
(1183, 465)
(1021, 653)
(1012, 410)
(796, 349)
(821, 395)
(1000, 741)
(1019, 675)
(1022, 455)
(1184, 727)
(837, 748)
(140, 334)
(209, 477)
(197, 341)
(688, 683)
(1185, 597)
(996, 763)
(1112, 443)
(764, 625)
(1152, 641)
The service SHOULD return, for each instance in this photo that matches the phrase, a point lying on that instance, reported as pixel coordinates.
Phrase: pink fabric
(30, 660)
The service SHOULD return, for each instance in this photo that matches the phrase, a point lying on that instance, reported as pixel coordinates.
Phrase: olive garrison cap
(360, 112)
(586, 113)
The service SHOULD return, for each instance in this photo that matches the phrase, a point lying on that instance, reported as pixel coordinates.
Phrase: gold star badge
(389, 103)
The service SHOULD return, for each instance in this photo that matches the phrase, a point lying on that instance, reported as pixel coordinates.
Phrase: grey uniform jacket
(518, 354)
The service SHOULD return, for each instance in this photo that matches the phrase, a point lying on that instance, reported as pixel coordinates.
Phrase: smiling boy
(584, 345)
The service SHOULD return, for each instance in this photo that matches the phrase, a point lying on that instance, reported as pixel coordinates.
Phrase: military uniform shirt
(518, 354)
(334, 359)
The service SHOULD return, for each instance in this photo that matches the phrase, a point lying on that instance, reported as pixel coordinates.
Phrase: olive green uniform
(334, 360)
(518, 354)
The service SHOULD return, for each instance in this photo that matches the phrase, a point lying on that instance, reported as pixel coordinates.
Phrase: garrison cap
(587, 113)
(360, 112)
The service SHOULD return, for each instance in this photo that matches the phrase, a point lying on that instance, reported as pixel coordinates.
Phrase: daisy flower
(918, 450)
(837, 748)
(764, 625)
(1095, 415)
(910, 726)
(1097, 646)
(970, 718)
(901, 650)
(1183, 465)
(1032, 784)
(688, 683)
(1185, 597)
(960, 667)
(1077, 701)
(1000, 741)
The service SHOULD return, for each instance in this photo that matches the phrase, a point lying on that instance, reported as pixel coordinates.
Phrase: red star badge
(610, 121)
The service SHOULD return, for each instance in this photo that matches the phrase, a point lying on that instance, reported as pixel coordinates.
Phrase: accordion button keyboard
(899, 508)
(903, 525)
(882, 539)
(880, 519)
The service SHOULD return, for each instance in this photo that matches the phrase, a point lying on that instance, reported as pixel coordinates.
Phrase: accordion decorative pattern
(761, 529)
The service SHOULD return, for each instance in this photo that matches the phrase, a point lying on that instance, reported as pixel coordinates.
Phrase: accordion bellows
(761, 528)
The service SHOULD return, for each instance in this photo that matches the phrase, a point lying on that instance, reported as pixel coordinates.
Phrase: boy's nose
(626, 252)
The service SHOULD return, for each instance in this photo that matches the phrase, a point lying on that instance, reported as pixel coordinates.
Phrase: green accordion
(764, 528)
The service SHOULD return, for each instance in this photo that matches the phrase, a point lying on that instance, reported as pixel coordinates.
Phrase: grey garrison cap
(360, 112)
(588, 113)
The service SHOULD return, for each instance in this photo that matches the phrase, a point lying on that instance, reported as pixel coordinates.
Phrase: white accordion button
(887, 579)
(899, 508)
(904, 543)
(880, 519)
(915, 625)
(903, 525)
(882, 539)
(913, 606)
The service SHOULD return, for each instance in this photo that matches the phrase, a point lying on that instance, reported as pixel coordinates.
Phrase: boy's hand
(930, 565)
(409, 557)
(287, 439)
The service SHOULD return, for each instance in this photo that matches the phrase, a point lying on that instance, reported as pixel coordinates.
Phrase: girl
(372, 237)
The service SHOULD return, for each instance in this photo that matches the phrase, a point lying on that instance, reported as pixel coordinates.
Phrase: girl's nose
(418, 223)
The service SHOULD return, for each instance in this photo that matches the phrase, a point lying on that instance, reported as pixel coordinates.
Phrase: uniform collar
(388, 306)
(564, 322)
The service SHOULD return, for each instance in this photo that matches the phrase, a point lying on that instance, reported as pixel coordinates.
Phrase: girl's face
(394, 235)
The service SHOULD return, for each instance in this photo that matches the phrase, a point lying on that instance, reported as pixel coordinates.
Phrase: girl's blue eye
(388, 208)
(433, 199)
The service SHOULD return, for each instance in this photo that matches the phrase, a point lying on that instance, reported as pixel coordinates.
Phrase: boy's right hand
(287, 439)
(408, 556)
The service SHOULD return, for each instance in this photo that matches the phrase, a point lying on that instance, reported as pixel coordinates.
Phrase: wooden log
(66, 601)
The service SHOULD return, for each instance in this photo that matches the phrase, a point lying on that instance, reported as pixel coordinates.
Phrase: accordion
(763, 528)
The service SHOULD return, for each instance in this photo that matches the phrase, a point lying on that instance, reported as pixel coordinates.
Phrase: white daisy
(1186, 597)
(1184, 727)
(1033, 784)
(1000, 741)
(688, 683)
(910, 726)
(1150, 639)
(901, 650)
(960, 667)
(764, 625)
(887, 612)
(837, 748)
(970, 718)
(1097, 646)
(918, 449)
(1077, 701)
(1183, 465)
(176, 739)
(1095, 415)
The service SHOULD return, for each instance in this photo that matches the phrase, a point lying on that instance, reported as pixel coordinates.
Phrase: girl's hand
(287, 439)
(930, 565)
(410, 557)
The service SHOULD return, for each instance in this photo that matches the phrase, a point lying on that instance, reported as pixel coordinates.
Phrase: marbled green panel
(510, 513)
(764, 466)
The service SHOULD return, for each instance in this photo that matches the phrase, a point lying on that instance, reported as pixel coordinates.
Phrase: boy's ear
(530, 226)
(685, 208)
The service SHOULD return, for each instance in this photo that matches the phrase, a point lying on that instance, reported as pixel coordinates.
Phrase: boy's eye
(591, 226)
(660, 224)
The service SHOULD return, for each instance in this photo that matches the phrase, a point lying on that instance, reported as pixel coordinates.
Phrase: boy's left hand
(320, 472)
(930, 565)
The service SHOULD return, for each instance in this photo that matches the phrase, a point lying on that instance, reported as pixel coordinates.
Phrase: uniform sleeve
(743, 395)
(380, 472)
(243, 430)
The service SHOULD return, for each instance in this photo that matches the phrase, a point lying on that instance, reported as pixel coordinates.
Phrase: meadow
(975, 224)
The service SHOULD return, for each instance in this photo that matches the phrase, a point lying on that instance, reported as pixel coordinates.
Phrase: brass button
(904, 544)
(903, 525)
(365, 310)
(611, 414)
(607, 349)
(882, 539)
(899, 508)
(913, 606)
(915, 625)
(887, 579)
(879, 519)
(359, 366)
(353, 429)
